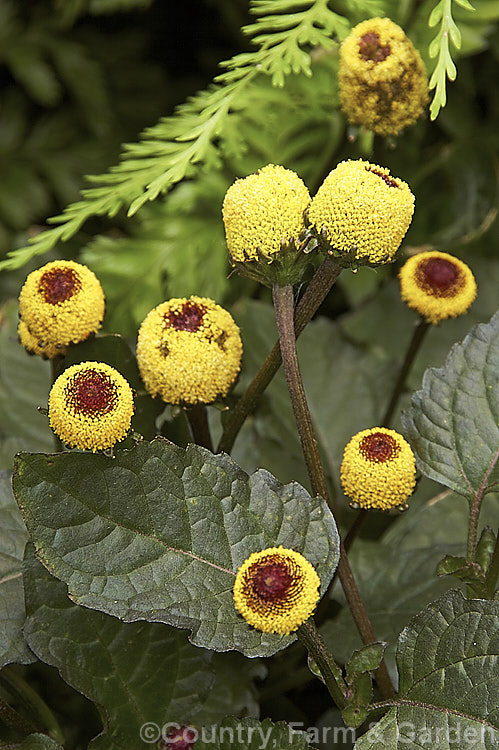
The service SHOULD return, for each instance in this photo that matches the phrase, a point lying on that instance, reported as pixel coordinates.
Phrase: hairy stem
(331, 673)
(354, 529)
(283, 303)
(314, 295)
(410, 355)
(197, 416)
(476, 506)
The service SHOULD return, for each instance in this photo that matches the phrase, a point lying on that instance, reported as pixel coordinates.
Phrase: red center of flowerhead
(439, 276)
(271, 581)
(385, 177)
(188, 318)
(379, 447)
(182, 738)
(91, 392)
(58, 285)
(371, 49)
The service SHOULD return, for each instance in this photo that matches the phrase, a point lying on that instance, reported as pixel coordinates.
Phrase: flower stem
(412, 350)
(410, 355)
(34, 704)
(475, 508)
(12, 719)
(314, 295)
(331, 673)
(356, 526)
(283, 303)
(197, 416)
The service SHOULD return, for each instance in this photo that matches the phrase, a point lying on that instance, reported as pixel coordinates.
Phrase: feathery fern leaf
(440, 49)
(196, 133)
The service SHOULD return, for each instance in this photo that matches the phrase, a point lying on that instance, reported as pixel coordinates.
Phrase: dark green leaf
(461, 568)
(453, 423)
(158, 532)
(396, 574)
(365, 659)
(250, 734)
(469, 572)
(36, 742)
(13, 538)
(134, 672)
(447, 660)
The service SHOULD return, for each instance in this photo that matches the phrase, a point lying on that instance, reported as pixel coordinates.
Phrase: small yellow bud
(189, 351)
(378, 469)
(363, 212)
(382, 78)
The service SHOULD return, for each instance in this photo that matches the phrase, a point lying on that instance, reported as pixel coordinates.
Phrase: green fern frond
(201, 129)
(440, 49)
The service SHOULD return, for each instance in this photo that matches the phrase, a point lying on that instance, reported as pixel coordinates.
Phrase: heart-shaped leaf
(134, 672)
(453, 423)
(447, 661)
(158, 533)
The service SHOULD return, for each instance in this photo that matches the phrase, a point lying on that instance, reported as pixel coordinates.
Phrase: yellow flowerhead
(382, 78)
(276, 590)
(362, 211)
(61, 303)
(437, 285)
(34, 346)
(189, 351)
(378, 469)
(91, 406)
(264, 224)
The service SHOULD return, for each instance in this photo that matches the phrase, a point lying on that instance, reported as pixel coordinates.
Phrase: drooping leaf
(134, 672)
(453, 423)
(447, 661)
(158, 532)
(13, 538)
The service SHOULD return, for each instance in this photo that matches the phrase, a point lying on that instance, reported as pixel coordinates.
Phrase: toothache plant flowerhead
(91, 406)
(34, 345)
(382, 79)
(264, 223)
(61, 303)
(363, 212)
(437, 285)
(189, 351)
(276, 590)
(378, 469)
